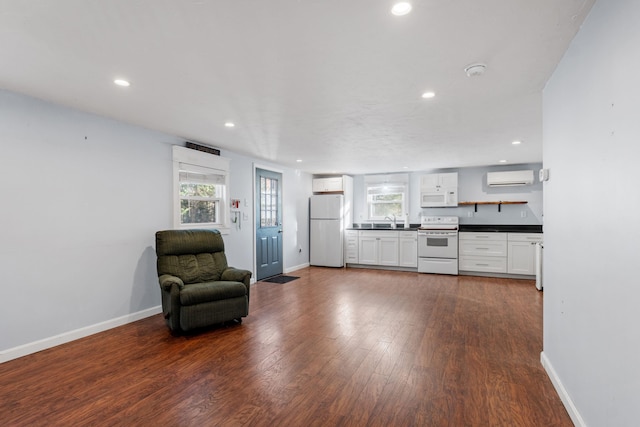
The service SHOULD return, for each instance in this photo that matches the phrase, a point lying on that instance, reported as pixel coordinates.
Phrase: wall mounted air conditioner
(510, 178)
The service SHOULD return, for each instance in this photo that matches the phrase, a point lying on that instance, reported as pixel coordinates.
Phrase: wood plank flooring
(337, 347)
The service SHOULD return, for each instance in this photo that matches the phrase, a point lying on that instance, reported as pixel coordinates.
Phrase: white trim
(562, 392)
(200, 160)
(43, 344)
(297, 267)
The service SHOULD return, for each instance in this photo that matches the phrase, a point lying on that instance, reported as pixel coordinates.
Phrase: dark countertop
(507, 228)
(383, 227)
(481, 228)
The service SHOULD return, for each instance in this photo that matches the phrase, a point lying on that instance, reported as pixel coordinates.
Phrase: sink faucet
(393, 221)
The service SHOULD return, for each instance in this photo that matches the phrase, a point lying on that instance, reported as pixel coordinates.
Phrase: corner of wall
(562, 392)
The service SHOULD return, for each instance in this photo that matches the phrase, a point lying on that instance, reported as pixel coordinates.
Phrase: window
(386, 196)
(201, 187)
(268, 202)
(200, 197)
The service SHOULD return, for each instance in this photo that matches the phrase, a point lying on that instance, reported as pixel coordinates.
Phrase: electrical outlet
(523, 214)
(470, 214)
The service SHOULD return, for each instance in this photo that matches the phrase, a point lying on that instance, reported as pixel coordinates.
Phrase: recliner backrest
(192, 255)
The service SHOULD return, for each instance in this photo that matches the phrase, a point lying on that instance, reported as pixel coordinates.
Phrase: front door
(268, 223)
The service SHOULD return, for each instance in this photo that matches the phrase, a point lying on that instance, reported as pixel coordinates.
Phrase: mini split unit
(510, 178)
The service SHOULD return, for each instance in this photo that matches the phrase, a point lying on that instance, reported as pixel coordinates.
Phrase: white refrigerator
(327, 230)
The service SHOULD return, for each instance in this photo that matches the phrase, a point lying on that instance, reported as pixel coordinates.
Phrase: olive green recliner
(198, 288)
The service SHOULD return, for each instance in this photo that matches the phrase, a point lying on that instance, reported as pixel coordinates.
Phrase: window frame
(189, 160)
(400, 181)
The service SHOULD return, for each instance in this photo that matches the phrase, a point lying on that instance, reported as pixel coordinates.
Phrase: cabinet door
(368, 250)
(429, 181)
(408, 252)
(320, 185)
(449, 179)
(522, 258)
(388, 251)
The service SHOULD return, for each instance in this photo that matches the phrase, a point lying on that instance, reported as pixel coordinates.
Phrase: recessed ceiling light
(401, 8)
(298, 160)
(121, 82)
(502, 161)
(428, 95)
(230, 125)
(516, 142)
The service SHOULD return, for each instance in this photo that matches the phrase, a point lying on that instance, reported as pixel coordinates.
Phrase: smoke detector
(475, 70)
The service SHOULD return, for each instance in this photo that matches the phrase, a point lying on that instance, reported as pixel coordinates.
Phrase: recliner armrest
(167, 280)
(236, 275)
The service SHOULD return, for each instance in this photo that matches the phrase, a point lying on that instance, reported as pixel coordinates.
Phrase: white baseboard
(43, 344)
(297, 267)
(562, 392)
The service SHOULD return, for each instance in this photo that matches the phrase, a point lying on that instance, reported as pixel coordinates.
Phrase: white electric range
(438, 245)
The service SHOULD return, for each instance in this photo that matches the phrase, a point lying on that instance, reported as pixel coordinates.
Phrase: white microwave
(439, 198)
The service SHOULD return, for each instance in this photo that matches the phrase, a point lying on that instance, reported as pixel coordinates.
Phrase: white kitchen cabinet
(408, 248)
(341, 184)
(378, 248)
(522, 253)
(483, 252)
(433, 181)
(351, 247)
(388, 251)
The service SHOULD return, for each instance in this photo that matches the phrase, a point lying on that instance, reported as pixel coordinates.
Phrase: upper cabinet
(438, 180)
(439, 190)
(332, 184)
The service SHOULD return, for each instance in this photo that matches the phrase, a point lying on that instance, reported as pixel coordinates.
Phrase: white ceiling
(335, 83)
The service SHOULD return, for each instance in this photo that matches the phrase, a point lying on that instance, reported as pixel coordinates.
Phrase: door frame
(253, 215)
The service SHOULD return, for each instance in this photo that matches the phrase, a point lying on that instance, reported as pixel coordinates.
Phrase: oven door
(437, 244)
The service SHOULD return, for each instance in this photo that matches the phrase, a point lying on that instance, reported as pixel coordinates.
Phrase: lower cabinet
(512, 253)
(351, 247)
(384, 248)
(408, 249)
(378, 248)
(522, 253)
(484, 252)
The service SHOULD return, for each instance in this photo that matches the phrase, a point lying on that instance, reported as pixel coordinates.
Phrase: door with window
(268, 223)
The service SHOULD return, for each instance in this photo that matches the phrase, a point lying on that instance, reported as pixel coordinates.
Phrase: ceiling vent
(474, 70)
(510, 178)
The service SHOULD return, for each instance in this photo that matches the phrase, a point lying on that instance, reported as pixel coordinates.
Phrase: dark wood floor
(335, 347)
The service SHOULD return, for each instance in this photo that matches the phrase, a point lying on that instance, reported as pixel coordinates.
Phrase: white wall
(82, 197)
(296, 187)
(472, 186)
(592, 296)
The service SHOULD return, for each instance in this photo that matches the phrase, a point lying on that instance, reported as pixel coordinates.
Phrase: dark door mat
(280, 279)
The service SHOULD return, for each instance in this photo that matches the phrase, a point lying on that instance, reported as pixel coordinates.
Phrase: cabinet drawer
(408, 234)
(524, 237)
(378, 234)
(499, 237)
(483, 264)
(483, 248)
